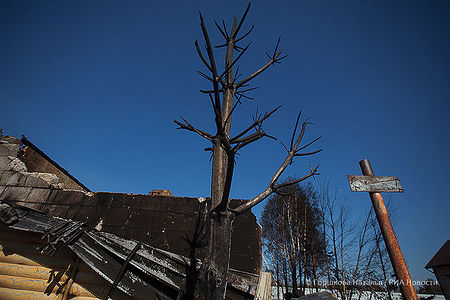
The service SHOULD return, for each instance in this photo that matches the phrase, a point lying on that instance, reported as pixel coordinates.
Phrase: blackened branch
(257, 122)
(199, 52)
(275, 58)
(237, 58)
(249, 89)
(187, 126)
(310, 143)
(248, 32)
(228, 180)
(238, 101)
(273, 187)
(205, 76)
(235, 33)
(217, 115)
(241, 143)
(208, 46)
(295, 130)
(242, 95)
(312, 172)
(210, 91)
(212, 64)
(308, 153)
(225, 36)
(225, 28)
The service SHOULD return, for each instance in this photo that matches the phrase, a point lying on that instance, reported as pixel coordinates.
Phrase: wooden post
(385, 184)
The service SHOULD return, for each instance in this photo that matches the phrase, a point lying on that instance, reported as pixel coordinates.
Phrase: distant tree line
(311, 240)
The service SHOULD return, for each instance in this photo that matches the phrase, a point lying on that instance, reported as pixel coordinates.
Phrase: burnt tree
(226, 93)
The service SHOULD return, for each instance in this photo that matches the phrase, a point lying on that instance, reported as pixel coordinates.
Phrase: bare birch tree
(292, 225)
(357, 259)
(226, 93)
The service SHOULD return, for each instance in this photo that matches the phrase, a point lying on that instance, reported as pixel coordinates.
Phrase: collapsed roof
(152, 241)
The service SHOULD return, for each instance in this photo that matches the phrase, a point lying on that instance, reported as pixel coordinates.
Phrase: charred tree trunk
(217, 262)
(216, 266)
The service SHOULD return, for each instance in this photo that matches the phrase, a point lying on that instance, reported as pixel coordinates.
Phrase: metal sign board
(374, 184)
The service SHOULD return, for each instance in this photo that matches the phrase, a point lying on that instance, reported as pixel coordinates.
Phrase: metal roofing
(441, 258)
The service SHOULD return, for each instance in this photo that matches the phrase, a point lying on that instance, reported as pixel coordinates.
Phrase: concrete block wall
(17, 185)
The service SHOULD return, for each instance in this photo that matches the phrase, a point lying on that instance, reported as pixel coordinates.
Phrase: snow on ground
(365, 296)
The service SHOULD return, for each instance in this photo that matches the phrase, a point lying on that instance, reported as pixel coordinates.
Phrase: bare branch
(205, 76)
(213, 66)
(242, 37)
(272, 187)
(238, 101)
(221, 31)
(237, 48)
(225, 28)
(295, 129)
(276, 47)
(236, 74)
(189, 127)
(310, 143)
(249, 137)
(241, 143)
(210, 91)
(269, 190)
(221, 46)
(241, 21)
(237, 58)
(262, 69)
(249, 89)
(244, 96)
(308, 153)
(202, 57)
(208, 46)
(289, 157)
(257, 122)
(217, 114)
(275, 58)
(284, 146)
(228, 180)
(233, 29)
(311, 173)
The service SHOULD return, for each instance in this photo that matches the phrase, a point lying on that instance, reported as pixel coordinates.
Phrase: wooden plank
(263, 291)
(374, 184)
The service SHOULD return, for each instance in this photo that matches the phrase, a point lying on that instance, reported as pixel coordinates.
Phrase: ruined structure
(100, 244)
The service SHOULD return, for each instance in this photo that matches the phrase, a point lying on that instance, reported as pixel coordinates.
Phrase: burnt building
(59, 240)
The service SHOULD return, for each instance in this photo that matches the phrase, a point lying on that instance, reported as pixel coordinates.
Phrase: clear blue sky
(96, 85)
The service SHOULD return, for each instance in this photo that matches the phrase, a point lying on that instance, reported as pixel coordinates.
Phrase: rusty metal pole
(393, 248)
